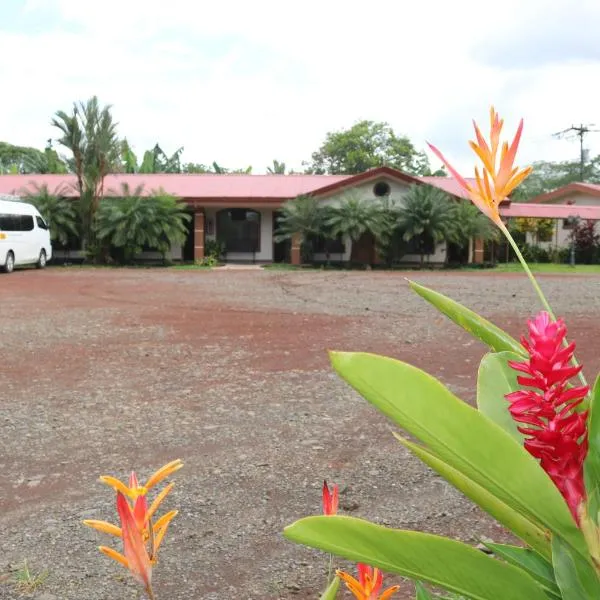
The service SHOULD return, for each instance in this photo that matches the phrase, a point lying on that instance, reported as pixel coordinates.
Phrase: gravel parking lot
(105, 370)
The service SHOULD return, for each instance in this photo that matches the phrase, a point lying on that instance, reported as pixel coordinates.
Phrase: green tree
(134, 221)
(89, 133)
(25, 160)
(354, 216)
(219, 170)
(129, 161)
(468, 223)
(277, 168)
(157, 161)
(367, 144)
(59, 212)
(426, 214)
(303, 216)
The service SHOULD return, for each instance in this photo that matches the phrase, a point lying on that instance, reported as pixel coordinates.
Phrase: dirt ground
(107, 370)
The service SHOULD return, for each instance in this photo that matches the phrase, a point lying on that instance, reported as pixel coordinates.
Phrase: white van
(24, 236)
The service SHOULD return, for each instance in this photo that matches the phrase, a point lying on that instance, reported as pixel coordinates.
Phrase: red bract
(330, 499)
(556, 433)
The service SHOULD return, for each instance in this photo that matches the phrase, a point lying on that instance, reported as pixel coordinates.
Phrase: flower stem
(150, 593)
(538, 289)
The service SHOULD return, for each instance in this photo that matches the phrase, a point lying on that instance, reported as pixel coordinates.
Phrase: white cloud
(243, 83)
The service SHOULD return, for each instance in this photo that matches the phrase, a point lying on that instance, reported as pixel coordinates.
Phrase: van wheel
(41, 263)
(9, 264)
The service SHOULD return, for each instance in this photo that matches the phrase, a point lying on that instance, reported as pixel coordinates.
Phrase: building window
(239, 229)
(381, 189)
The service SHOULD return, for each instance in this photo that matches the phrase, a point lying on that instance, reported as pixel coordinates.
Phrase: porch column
(296, 249)
(478, 250)
(198, 235)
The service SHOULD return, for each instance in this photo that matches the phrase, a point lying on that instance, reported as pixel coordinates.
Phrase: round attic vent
(381, 188)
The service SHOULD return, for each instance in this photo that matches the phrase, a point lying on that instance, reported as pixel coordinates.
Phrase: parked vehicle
(24, 236)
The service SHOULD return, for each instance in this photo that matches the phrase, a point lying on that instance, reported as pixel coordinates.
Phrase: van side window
(41, 223)
(26, 222)
(10, 223)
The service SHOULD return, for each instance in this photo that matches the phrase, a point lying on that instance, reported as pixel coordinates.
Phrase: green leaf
(447, 563)
(422, 593)
(480, 328)
(575, 577)
(461, 436)
(494, 380)
(332, 589)
(591, 467)
(522, 527)
(539, 568)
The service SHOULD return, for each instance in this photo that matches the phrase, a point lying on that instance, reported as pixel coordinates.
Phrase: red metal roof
(552, 211)
(227, 187)
(265, 187)
(572, 188)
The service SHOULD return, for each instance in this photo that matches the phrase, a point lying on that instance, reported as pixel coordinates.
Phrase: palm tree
(355, 216)
(89, 133)
(470, 223)
(303, 216)
(60, 213)
(135, 221)
(278, 168)
(427, 213)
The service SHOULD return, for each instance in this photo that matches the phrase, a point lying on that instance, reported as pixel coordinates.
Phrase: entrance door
(282, 251)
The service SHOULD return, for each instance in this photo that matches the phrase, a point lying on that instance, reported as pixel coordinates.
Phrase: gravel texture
(107, 370)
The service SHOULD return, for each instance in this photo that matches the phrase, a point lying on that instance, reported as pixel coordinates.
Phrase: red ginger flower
(556, 433)
(368, 584)
(330, 499)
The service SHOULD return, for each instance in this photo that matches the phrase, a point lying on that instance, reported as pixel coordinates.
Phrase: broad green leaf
(461, 436)
(443, 562)
(539, 568)
(480, 328)
(331, 592)
(592, 462)
(422, 593)
(575, 577)
(494, 381)
(523, 528)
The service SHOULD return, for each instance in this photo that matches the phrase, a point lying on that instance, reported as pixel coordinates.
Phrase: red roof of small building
(550, 211)
(567, 190)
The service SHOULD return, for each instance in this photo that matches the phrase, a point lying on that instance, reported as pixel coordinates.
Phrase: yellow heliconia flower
(497, 178)
(134, 489)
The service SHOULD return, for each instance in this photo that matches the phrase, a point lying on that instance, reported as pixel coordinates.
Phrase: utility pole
(578, 131)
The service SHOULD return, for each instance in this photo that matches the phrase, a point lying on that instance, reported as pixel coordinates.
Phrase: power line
(579, 131)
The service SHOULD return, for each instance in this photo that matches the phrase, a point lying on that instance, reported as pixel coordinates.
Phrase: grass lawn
(547, 268)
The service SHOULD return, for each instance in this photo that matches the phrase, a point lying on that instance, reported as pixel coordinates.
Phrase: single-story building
(241, 210)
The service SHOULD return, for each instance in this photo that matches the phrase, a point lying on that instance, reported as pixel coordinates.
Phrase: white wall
(265, 253)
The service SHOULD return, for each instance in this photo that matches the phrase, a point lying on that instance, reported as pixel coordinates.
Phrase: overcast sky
(245, 82)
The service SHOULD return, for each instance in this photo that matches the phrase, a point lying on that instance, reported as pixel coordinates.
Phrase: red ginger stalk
(556, 434)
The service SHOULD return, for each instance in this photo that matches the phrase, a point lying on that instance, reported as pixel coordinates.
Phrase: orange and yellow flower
(498, 178)
(141, 537)
(368, 584)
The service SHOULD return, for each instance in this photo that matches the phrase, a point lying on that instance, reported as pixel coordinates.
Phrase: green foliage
(488, 333)
(24, 160)
(90, 134)
(366, 145)
(576, 578)
(60, 213)
(277, 168)
(455, 566)
(214, 249)
(542, 229)
(135, 221)
(426, 212)
(468, 222)
(496, 379)
(332, 590)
